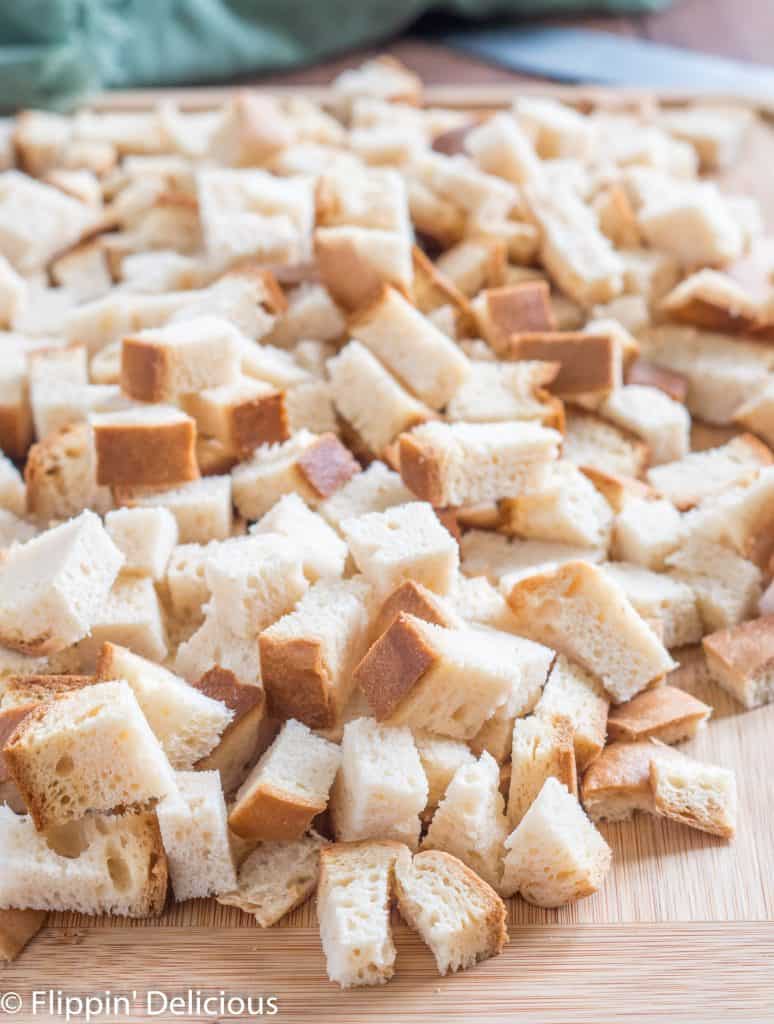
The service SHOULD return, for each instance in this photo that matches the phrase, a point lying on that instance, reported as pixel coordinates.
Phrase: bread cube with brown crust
(150, 446)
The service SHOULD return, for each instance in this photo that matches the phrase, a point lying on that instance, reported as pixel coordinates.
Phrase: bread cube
(145, 536)
(506, 391)
(310, 313)
(37, 221)
(194, 831)
(202, 508)
(646, 532)
(152, 446)
(738, 518)
(542, 748)
(15, 412)
(17, 928)
(693, 222)
(741, 660)
(414, 599)
(513, 309)
(53, 753)
(288, 786)
(242, 415)
(505, 561)
(356, 262)
(702, 796)
(555, 855)
(578, 697)
(440, 757)
(216, 645)
(53, 587)
(310, 407)
(307, 656)
(702, 474)
(592, 442)
(664, 713)
(472, 265)
(617, 783)
(727, 587)
(130, 615)
(659, 598)
(663, 424)
(323, 553)
(374, 490)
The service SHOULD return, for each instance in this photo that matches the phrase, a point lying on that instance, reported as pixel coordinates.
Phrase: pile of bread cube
(367, 470)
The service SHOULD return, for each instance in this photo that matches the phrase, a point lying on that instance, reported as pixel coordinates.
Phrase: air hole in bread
(64, 765)
(68, 840)
(119, 872)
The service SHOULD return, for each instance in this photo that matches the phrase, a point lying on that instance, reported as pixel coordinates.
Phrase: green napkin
(53, 52)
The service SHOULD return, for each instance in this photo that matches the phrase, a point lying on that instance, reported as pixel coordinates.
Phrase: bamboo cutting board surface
(682, 931)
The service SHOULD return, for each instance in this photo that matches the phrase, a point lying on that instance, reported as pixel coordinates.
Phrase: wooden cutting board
(682, 931)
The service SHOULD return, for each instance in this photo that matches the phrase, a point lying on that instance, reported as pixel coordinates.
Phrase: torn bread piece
(663, 424)
(701, 474)
(495, 391)
(323, 553)
(646, 532)
(374, 490)
(739, 518)
(130, 615)
(665, 713)
(660, 600)
(702, 796)
(459, 916)
(145, 536)
(617, 783)
(440, 757)
(148, 446)
(715, 132)
(741, 660)
(645, 374)
(474, 264)
(727, 587)
(593, 442)
(432, 290)
(542, 747)
(60, 476)
(576, 696)
(713, 301)
(580, 611)
(555, 855)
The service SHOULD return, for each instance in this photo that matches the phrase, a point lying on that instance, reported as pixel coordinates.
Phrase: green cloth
(53, 52)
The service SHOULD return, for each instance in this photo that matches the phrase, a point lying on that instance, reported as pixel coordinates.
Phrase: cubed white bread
(557, 130)
(194, 831)
(272, 365)
(241, 415)
(590, 441)
(310, 407)
(84, 270)
(371, 399)
(17, 928)
(469, 463)
(503, 560)
(315, 467)
(12, 491)
(714, 301)
(501, 146)
(542, 748)
(100, 865)
(715, 132)
(470, 822)
(702, 796)
(421, 356)
(447, 681)
(56, 404)
(202, 508)
(381, 788)
(356, 262)
(618, 489)
(323, 552)
(477, 601)
(130, 615)
(702, 474)
(440, 757)
(474, 263)
(288, 786)
(187, 723)
(68, 364)
(459, 916)
(739, 518)
(555, 855)
(145, 446)
(402, 543)
(575, 695)
(664, 713)
(90, 750)
(186, 585)
(691, 221)
(578, 610)
(727, 587)
(255, 582)
(159, 364)
(311, 313)
(216, 645)
(145, 536)
(741, 660)
(617, 783)
(53, 587)
(566, 508)
(496, 391)
(374, 490)
(14, 530)
(415, 599)
(307, 657)
(662, 423)
(757, 414)
(520, 307)
(275, 878)
(646, 532)
(15, 413)
(649, 273)
(659, 598)
(353, 908)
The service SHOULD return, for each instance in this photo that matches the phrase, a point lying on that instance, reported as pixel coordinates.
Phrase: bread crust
(297, 681)
(158, 872)
(9, 720)
(664, 713)
(17, 927)
(144, 368)
(518, 309)
(587, 361)
(740, 652)
(420, 470)
(393, 666)
(413, 599)
(270, 814)
(15, 430)
(432, 289)
(326, 465)
(146, 455)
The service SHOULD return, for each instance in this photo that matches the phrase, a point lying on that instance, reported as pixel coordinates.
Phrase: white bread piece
(460, 917)
(757, 414)
(692, 221)
(381, 788)
(185, 582)
(216, 645)
(578, 257)
(90, 750)
(383, 78)
(741, 660)
(275, 878)
(241, 415)
(310, 407)
(555, 855)
(573, 694)
(145, 536)
(469, 463)
(272, 365)
(162, 363)
(130, 615)
(702, 474)
(662, 423)
(715, 132)
(370, 399)
(659, 598)
(440, 757)
(722, 372)
(649, 273)
(702, 796)
(15, 412)
(310, 313)
(505, 391)
(84, 270)
(739, 518)
(202, 507)
(593, 442)
(407, 542)
(500, 146)
(12, 491)
(566, 508)
(37, 221)
(17, 928)
(374, 490)
(471, 190)
(187, 723)
(288, 786)
(355, 262)
(478, 602)
(470, 822)
(109, 864)
(315, 467)
(53, 587)
(56, 404)
(447, 681)
(617, 783)
(14, 530)
(578, 610)
(473, 264)
(323, 553)
(556, 129)
(646, 531)
(248, 297)
(727, 587)
(254, 583)
(663, 713)
(542, 748)
(629, 313)
(194, 831)
(14, 294)
(307, 657)
(353, 908)
(714, 301)
(420, 355)
(504, 561)
(105, 365)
